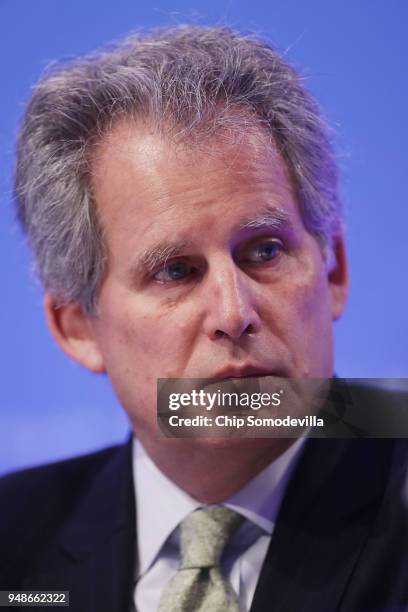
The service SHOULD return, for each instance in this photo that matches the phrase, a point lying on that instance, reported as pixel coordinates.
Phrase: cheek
(152, 337)
(141, 344)
(314, 301)
(302, 298)
(314, 334)
(299, 314)
(310, 288)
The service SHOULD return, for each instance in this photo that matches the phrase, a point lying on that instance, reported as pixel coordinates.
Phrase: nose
(231, 308)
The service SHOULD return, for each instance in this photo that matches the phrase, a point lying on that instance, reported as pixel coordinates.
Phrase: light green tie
(199, 585)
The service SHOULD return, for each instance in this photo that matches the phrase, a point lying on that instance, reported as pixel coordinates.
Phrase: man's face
(210, 271)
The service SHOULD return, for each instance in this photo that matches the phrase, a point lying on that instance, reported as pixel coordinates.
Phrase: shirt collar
(260, 499)
(161, 505)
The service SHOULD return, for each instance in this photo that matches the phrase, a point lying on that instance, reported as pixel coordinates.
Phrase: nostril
(247, 331)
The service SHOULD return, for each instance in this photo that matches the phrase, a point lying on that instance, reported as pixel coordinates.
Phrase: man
(180, 196)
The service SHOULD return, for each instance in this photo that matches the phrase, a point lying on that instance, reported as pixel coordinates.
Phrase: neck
(212, 470)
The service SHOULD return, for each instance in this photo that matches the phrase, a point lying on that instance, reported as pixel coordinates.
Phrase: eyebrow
(156, 257)
(271, 216)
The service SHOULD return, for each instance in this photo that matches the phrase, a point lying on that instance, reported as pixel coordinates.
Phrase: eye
(174, 271)
(264, 251)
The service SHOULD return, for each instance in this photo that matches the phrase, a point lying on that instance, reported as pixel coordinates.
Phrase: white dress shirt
(161, 506)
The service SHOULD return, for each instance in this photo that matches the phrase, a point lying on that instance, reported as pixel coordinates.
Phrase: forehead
(142, 181)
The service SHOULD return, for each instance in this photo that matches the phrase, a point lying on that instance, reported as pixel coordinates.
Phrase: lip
(246, 371)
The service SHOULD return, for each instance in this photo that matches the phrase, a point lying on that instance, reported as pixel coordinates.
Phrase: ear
(72, 330)
(338, 278)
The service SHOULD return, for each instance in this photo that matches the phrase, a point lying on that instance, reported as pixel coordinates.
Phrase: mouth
(248, 371)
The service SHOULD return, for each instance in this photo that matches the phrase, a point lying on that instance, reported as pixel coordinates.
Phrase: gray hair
(188, 77)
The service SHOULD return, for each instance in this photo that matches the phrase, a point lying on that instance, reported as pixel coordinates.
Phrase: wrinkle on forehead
(134, 165)
(239, 130)
(155, 151)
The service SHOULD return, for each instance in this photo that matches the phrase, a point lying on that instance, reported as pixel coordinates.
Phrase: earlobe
(338, 278)
(71, 328)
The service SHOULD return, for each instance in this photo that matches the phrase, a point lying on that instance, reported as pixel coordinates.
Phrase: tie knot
(204, 534)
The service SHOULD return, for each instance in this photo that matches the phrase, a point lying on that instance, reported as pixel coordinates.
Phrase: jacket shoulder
(36, 503)
(57, 480)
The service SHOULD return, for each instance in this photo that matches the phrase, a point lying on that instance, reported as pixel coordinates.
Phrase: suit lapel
(94, 557)
(323, 524)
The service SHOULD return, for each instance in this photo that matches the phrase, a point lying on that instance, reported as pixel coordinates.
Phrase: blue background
(354, 57)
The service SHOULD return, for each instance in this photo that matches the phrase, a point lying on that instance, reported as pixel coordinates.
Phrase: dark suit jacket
(341, 540)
